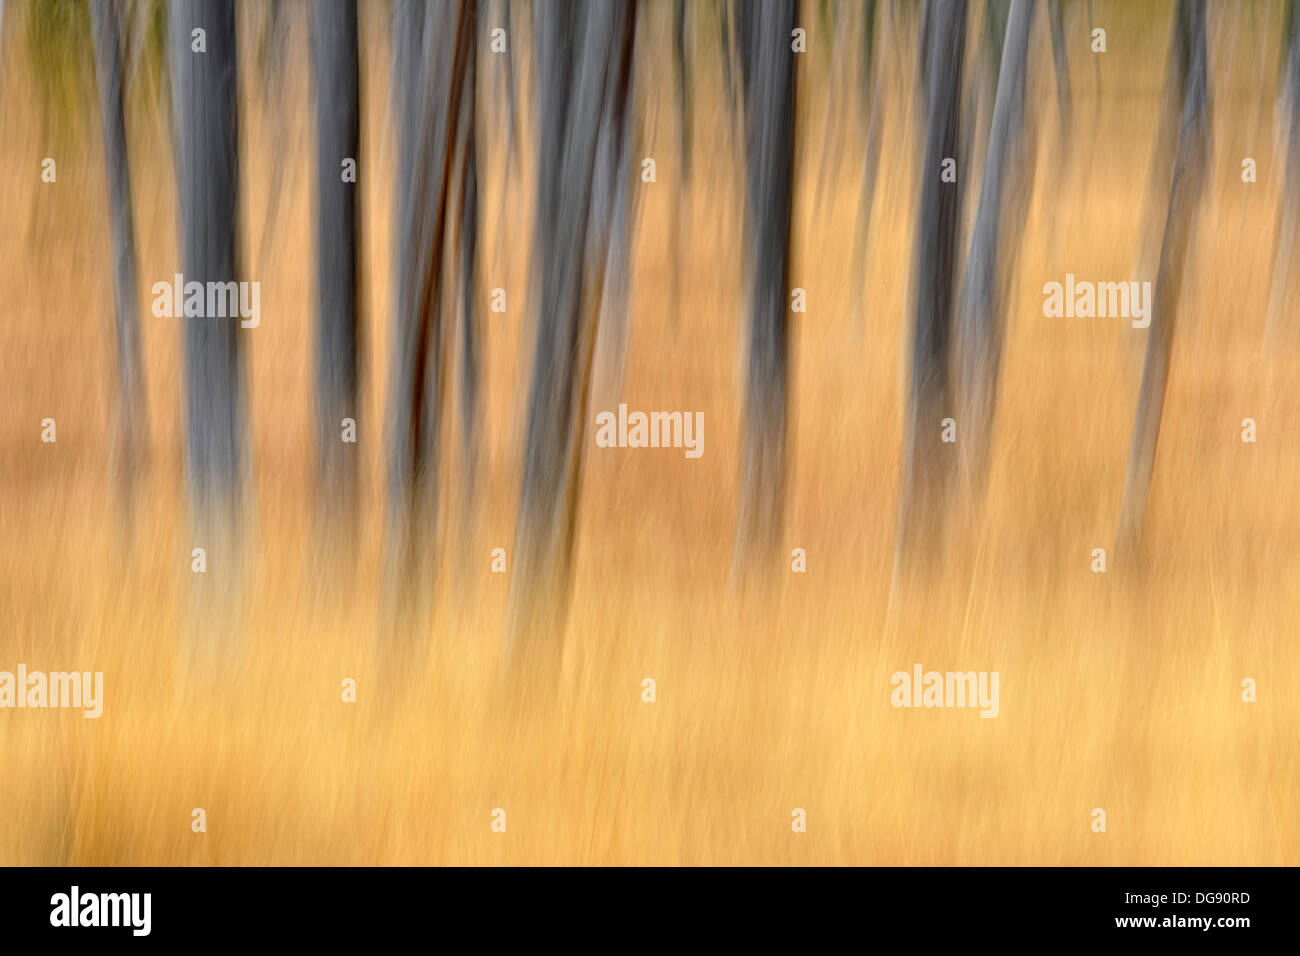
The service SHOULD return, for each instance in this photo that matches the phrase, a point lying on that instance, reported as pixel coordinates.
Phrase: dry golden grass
(1118, 691)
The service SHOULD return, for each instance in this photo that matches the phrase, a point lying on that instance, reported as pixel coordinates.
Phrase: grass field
(1119, 691)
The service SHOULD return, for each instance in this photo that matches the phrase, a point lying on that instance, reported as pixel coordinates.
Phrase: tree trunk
(132, 417)
(999, 220)
(769, 81)
(204, 94)
(929, 461)
(582, 48)
(335, 66)
(1184, 195)
(467, 269)
(433, 46)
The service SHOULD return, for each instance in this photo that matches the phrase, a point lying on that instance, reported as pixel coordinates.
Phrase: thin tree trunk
(1189, 172)
(434, 45)
(132, 417)
(1061, 64)
(873, 108)
(205, 93)
(467, 260)
(335, 68)
(994, 243)
(769, 81)
(613, 213)
(679, 209)
(1167, 133)
(581, 48)
(928, 460)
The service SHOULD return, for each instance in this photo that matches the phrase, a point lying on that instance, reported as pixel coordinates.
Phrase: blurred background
(794, 146)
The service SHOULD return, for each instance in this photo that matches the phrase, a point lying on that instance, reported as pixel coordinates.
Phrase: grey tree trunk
(204, 97)
(1190, 167)
(981, 94)
(679, 208)
(433, 45)
(467, 268)
(999, 220)
(929, 462)
(613, 215)
(769, 83)
(1168, 127)
(582, 48)
(1061, 63)
(873, 110)
(132, 429)
(685, 111)
(335, 69)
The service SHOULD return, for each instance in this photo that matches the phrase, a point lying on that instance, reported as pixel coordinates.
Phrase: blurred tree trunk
(999, 219)
(582, 51)
(204, 97)
(1167, 132)
(872, 119)
(1190, 168)
(1061, 65)
(132, 429)
(467, 265)
(434, 44)
(335, 70)
(613, 215)
(929, 462)
(768, 66)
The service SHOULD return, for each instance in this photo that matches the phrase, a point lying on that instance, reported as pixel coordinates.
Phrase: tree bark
(132, 416)
(999, 219)
(769, 82)
(929, 464)
(1184, 194)
(335, 68)
(204, 94)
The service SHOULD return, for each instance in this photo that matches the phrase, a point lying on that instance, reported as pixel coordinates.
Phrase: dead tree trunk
(1061, 64)
(613, 215)
(999, 219)
(582, 50)
(769, 95)
(1190, 166)
(1168, 127)
(679, 210)
(132, 417)
(335, 69)
(433, 46)
(204, 94)
(467, 268)
(873, 113)
(929, 461)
